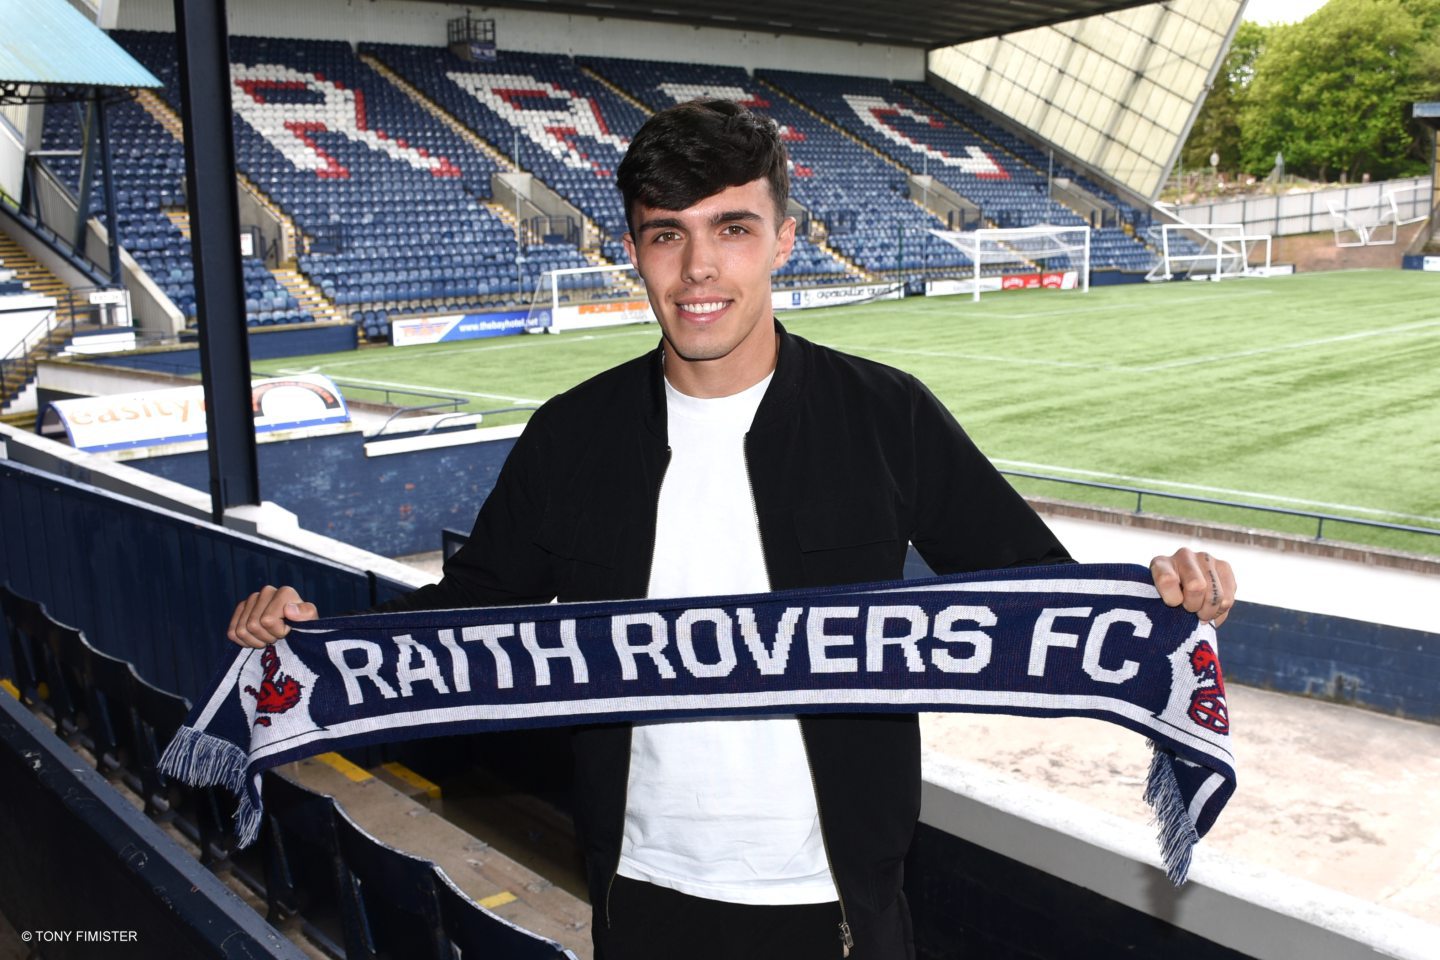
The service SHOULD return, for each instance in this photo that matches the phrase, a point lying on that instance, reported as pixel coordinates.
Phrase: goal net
(575, 298)
(1211, 251)
(1046, 256)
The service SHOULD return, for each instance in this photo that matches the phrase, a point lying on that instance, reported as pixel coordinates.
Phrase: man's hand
(1196, 581)
(259, 620)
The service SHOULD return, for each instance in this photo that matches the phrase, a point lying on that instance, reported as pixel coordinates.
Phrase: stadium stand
(391, 200)
(543, 112)
(393, 203)
(150, 181)
(1010, 188)
(857, 195)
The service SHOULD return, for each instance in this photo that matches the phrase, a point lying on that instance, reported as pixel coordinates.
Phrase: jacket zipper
(625, 799)
(846, 939)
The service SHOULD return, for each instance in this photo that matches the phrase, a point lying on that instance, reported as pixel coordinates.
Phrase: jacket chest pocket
(850, 539)
(575, 533)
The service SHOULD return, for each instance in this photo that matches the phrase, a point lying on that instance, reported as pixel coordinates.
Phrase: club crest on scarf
(275, 689)
(1197, 688)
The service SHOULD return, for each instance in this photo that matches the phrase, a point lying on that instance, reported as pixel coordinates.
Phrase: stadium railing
(1320, 519)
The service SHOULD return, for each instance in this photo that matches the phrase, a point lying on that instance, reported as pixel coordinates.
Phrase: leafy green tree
(1333, 92)
(1217, 125)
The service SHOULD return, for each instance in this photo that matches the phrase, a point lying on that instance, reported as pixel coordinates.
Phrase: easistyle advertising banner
(1431, 263)
(176, 414)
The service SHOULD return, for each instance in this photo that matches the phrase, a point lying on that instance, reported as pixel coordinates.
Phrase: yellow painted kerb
(402, 772)
(350, 770)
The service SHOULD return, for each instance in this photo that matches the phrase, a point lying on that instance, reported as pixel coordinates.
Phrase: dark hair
(694, 150)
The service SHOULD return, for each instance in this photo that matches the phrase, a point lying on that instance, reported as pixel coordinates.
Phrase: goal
(575, 298)
(1211, 251)
(1058, 256)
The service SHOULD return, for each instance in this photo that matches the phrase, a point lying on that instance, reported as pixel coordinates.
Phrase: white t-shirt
(722, 809)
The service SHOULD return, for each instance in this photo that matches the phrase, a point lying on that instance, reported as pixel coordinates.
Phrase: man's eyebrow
(726, 216)
(734, 216)
(660, 223)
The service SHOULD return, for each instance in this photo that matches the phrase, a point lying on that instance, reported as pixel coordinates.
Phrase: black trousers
(654, 923)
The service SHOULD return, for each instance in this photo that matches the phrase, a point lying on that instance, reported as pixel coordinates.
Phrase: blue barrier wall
(968, 901)
(266, 343)
(391, 505)
(147, 585)
(1114, 278)
(1349, 661)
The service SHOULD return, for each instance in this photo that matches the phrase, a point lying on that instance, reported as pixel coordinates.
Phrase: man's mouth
(703, 307)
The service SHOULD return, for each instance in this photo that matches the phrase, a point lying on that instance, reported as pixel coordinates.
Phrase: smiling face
(707, 272)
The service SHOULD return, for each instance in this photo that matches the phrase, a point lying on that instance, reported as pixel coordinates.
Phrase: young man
(738, 458)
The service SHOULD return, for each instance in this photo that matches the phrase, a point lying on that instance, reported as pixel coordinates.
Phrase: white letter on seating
(819, 640)
(370, 669)
(1046, 636)
(569, 649)
(945, 632)
(1096, 638)
(876, 641)
(407, 673)
(724, 642)
(654, 649)
(770, 662)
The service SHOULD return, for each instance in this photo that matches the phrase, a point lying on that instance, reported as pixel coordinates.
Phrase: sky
(1267, 12)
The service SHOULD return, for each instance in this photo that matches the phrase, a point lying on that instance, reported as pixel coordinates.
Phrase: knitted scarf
(1064, 640)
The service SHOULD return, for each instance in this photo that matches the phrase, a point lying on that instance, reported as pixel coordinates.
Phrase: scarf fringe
(203, 760)
(1177, 834)
(247, 818)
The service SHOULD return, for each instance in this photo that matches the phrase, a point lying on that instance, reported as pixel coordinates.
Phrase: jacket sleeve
(967, 517)
(500, 564)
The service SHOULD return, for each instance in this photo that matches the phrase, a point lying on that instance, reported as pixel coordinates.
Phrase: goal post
(574, 298)
(1223, 250)
(1046, 248)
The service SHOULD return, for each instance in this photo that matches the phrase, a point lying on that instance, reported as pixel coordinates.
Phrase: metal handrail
(1141, 493)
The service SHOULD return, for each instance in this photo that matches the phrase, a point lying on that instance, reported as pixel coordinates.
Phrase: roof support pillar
(107, 161)
(201, 34)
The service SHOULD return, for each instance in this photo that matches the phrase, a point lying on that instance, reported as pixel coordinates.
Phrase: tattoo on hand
(1214, 589)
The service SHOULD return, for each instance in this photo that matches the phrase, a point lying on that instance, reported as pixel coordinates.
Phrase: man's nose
(700, 261)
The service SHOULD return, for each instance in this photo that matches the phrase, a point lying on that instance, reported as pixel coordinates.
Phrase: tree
(1217, 125)
(1333, 92)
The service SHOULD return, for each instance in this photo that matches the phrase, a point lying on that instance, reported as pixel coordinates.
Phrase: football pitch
(1314, 392)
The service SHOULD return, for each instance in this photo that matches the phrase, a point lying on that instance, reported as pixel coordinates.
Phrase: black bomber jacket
(849, 462)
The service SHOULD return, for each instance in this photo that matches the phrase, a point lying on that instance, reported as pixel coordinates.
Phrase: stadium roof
(51, 45)
(906, 23)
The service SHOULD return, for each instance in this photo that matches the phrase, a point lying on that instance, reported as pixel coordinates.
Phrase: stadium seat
(388, 899)
(301, 860)
(474, 931)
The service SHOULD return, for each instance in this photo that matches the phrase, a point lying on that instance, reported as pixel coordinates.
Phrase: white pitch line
(1146, 368)
(1285, 347)
(1000, 313)
(983, 357)
(1202, 488)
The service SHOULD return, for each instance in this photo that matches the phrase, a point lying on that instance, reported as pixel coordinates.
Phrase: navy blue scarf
(1065, 640)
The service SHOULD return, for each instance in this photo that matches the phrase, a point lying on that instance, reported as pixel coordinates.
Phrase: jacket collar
(784, 385)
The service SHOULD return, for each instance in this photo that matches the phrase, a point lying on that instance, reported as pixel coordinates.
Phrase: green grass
(1316, 392)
